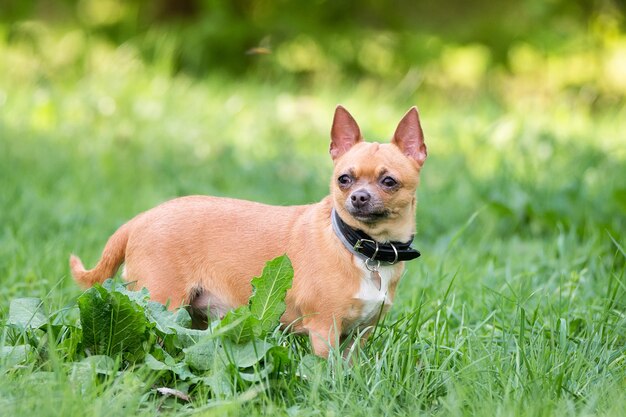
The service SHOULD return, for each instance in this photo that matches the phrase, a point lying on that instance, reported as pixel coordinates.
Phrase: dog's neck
(366, 247)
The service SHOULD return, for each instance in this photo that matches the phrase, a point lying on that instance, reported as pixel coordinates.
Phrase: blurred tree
(211, 35)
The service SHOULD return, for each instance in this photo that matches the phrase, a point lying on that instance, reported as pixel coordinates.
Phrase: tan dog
(203, 251)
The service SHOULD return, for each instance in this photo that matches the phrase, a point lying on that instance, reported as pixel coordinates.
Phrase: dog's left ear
(409, 137)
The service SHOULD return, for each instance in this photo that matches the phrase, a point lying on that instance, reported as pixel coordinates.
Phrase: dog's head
(373, 186)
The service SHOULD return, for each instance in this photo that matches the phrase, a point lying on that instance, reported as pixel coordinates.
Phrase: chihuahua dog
(347, 251)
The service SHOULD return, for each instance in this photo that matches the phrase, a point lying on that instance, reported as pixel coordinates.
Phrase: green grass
(516, 308)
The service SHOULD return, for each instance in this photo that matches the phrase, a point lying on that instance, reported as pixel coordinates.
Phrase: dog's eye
(344, 179)
(389, 182)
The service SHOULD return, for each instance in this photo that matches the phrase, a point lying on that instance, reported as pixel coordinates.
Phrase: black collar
(363, 244)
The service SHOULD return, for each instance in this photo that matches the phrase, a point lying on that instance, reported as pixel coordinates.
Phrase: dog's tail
(111, 259)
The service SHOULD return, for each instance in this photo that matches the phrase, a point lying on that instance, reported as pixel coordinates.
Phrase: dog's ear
(344, 134)
(409, 137)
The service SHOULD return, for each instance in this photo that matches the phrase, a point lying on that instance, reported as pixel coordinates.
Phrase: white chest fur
(372, 299)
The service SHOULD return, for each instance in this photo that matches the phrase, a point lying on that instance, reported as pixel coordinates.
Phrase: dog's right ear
(344, 134)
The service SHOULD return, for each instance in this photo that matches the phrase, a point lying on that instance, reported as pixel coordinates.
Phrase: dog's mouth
(368, 215)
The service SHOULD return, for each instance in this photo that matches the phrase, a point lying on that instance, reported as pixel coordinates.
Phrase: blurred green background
(109, 107)
(550, 44)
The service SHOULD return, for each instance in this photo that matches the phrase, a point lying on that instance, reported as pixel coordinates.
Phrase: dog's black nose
(360, 198)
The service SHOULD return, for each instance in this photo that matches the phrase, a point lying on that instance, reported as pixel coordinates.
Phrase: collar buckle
(359, 244)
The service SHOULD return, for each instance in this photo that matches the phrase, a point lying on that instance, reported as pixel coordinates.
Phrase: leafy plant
(116, 323)
(112, 323)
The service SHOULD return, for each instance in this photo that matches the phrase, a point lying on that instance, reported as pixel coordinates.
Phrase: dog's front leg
(324, 335)
(351, 349)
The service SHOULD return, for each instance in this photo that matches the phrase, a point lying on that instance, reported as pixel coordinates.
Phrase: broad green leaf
(14, 355)
(248, 354)
(201, 356)
(141, 296)
(220, 383)
(253, 375)
(173, 324)
(239, 325)
(268, 299)
(279, 357)
(112, 323)
(26, 313)
(179, 368)
(167, 322)
(155, 364)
